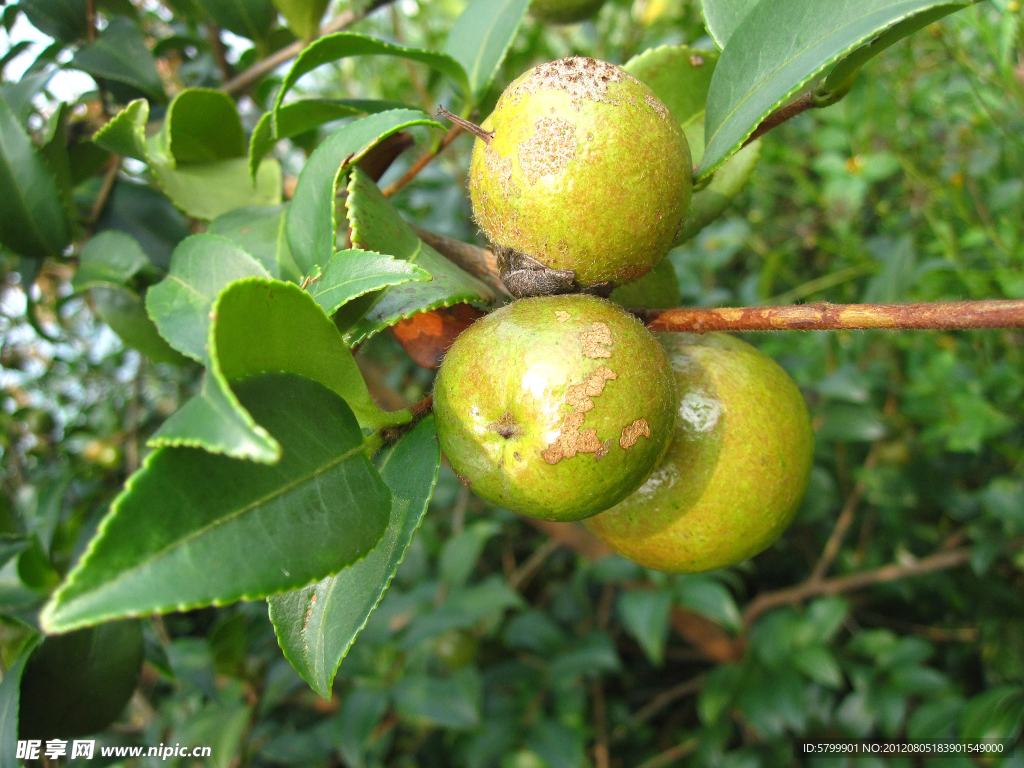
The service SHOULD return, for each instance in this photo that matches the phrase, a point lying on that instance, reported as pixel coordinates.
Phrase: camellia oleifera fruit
(580, 178)
(564, 11)
(736, 471)
(555, 407)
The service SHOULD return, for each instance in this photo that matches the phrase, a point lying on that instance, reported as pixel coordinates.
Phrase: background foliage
(499, 643)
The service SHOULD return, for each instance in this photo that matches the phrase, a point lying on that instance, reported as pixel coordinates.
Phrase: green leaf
(305, 115)
(248, 18)
(32, 217)
(721, 17)
(208, 190)
(350, 274)
(78, 683)
(54, 150)
(201, 267)
(461, 552)
(202, 126)
(317, 625)
(122, 309)
(11, 544)
(557, 745)
(644, 614)
(680, 76)
(109, 257)
(311, 222)
(658, 289)
(452, 702)
(709, 598)
(779, 47)
(995, 714)
(120, 54)
(376, 226)
(215, 421)
(295, 337)
(818, 663)
(259, 230)
(10, 694)
(192, 528)
(361, 713)
(481, 36)
(344, 44)
(303, 16)
(125, 133)
(149, 217)
(63, 20)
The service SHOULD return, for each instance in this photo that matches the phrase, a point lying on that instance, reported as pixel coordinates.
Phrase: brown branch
(519, 577)
(219, 50)
(109, 179)
(573, 536)
(671, 755)
(950, 558)
(266, 66)
(90, 20)
(660, 702)
(797, 107)
(479, 262)
(843, 522)
(422, 163)
(952, 315)
(600, 726)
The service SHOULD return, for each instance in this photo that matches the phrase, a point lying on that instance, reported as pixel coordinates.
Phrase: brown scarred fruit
(555, 407)
(580, 178)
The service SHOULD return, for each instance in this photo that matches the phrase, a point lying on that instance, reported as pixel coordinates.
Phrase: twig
(479, 262)
(518, 578)
(573, 536)
(109, 179)
(947, 316)
(843, 522)
(782, 114)
(266, 66)
(950, 558)
(218, 49)
(659, 702)
(600, 725)
(90, 20)
(420, 164)
(669, 755)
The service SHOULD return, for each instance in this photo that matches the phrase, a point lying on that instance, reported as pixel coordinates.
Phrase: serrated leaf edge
(387, 584)
(47, 619)
(703, 172)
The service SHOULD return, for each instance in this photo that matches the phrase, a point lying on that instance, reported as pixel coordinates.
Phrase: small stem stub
(473, 128)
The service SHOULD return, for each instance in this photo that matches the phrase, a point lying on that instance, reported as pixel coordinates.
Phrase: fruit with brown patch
(737, 468)
(580, 179)
(555, 407)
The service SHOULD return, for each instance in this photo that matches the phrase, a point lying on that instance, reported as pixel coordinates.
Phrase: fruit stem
(473, 128)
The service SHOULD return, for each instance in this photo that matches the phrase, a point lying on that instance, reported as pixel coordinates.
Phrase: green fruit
(564, 11)
(555, 407)
(737, 468)
(586, 173)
